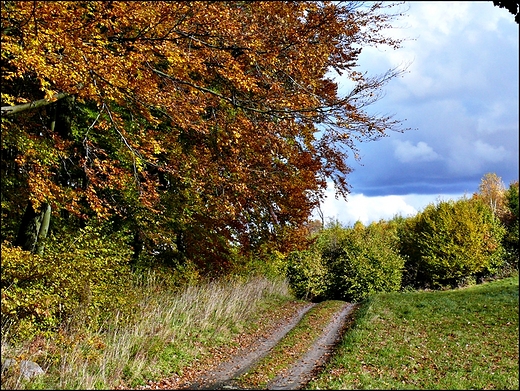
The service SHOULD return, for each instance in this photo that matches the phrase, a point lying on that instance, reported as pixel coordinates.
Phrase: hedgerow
(365, 262)
(348, 263)
(307, 274)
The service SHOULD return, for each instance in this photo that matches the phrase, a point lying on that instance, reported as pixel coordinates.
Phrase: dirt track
(295, 377)
(303, 370)
(227, 365)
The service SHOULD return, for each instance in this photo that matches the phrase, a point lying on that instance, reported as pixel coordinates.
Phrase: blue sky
(460, 97)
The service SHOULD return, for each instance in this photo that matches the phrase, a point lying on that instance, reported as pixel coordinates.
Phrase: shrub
(306, 274)
(347, 263)
(452, 241)
(510, 240)
(85, 279)
(409, 251)
(265, 261)
(366, 261)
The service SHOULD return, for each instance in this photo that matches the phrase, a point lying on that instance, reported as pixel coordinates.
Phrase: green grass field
(458, 339)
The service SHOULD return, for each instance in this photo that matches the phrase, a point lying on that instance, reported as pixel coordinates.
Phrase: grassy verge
(459, 339)
(292, 347)
(174, 330)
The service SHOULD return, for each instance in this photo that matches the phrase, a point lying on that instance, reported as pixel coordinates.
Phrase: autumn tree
(201, 124)
(493, 193)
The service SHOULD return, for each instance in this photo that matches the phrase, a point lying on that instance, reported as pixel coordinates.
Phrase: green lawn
(458, 339)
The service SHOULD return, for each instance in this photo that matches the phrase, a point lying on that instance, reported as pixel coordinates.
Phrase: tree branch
(12, 110)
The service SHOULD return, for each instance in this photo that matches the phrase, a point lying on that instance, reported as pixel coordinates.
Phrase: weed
(173, 329)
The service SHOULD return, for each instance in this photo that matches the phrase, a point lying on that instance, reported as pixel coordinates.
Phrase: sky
(460, 98)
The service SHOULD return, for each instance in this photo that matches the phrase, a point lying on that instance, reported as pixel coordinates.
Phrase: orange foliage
(219, 115)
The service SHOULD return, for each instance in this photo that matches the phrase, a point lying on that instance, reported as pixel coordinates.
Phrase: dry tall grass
(172, 330)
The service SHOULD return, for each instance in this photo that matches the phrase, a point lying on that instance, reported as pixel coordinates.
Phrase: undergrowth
(172, 330)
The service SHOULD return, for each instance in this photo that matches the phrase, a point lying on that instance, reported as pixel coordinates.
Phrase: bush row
(93, 277)
(448, 244)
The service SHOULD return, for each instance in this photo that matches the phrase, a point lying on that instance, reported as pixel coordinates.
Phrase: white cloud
(489, 152)
(406, 152)
(364, 209)
(447, 44)
(503, 112)
(460, 100)
(474, 156)
(359, 207)
(441, 19)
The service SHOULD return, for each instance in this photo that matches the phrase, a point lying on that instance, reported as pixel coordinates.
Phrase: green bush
(348, 263)
(409, 251)
(452, 242)
(366, 261)
(265, 261)
(510, 240)
(307, 275)
(84, 280)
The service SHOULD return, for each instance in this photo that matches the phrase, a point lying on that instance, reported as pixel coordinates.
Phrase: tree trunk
(138, 246)
(33, 228)
(11, 110)
(44, 228)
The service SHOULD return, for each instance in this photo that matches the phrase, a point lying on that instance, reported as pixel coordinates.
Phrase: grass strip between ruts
(292, 347)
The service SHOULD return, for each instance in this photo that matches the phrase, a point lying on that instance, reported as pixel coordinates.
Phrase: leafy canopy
(218, 122)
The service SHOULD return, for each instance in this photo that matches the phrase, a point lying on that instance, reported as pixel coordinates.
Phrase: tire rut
(302, 371)
(295, 377)
(222, 376)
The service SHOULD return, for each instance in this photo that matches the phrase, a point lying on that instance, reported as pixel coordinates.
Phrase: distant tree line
(448, 244)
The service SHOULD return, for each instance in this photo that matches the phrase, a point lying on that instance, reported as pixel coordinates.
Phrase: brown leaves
(230, 102)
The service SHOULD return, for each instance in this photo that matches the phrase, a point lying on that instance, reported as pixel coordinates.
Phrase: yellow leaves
(42, 188)
(220, 98)
(10, 99)
(139, 163)
(49, 92)
(156, 147)
(50, 95)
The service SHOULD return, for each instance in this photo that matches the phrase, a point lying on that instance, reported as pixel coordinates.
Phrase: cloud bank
(460, 98)
(365, 209)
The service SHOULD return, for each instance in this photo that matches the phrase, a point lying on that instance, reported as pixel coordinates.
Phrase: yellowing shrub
(85, 279)
(365, 262)
(348, 263)
(307, 275)
(452, 241)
